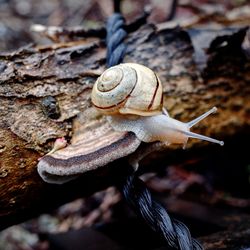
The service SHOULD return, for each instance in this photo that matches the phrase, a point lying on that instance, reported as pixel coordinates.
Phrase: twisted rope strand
(175, 233)
(115, 35)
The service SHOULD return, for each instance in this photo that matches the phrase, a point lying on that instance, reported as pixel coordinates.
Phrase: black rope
(175, 233)
(115, 35)
(172, 11)
(117, 6)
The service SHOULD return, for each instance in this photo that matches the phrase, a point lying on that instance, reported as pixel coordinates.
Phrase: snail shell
(128, 88)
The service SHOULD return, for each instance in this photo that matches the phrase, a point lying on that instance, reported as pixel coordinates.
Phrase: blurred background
(215, 187)
(17, 16)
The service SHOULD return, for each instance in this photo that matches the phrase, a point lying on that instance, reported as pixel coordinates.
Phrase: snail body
(131, 96)
(152, 128)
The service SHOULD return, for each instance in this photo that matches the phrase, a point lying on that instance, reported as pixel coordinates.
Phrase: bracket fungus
(93, 145)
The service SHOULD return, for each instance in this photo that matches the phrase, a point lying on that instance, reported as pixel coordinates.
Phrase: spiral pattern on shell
(128, 88)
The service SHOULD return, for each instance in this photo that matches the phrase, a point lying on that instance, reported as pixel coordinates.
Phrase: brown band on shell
(153, 98)
(110, 107)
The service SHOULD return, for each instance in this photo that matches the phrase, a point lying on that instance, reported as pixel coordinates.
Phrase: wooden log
(44, 88)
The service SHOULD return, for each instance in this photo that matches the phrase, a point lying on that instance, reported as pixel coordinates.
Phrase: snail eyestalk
(202, 137)
(198, 136)
(203, 116)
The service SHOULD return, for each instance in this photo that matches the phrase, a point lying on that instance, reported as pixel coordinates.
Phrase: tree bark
(43, 88)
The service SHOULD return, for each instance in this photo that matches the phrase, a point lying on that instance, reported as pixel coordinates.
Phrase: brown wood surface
(193, 82)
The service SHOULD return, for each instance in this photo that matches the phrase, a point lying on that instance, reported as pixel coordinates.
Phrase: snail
(131, 96)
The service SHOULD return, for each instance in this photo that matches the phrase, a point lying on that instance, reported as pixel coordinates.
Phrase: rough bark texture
(44, 88)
